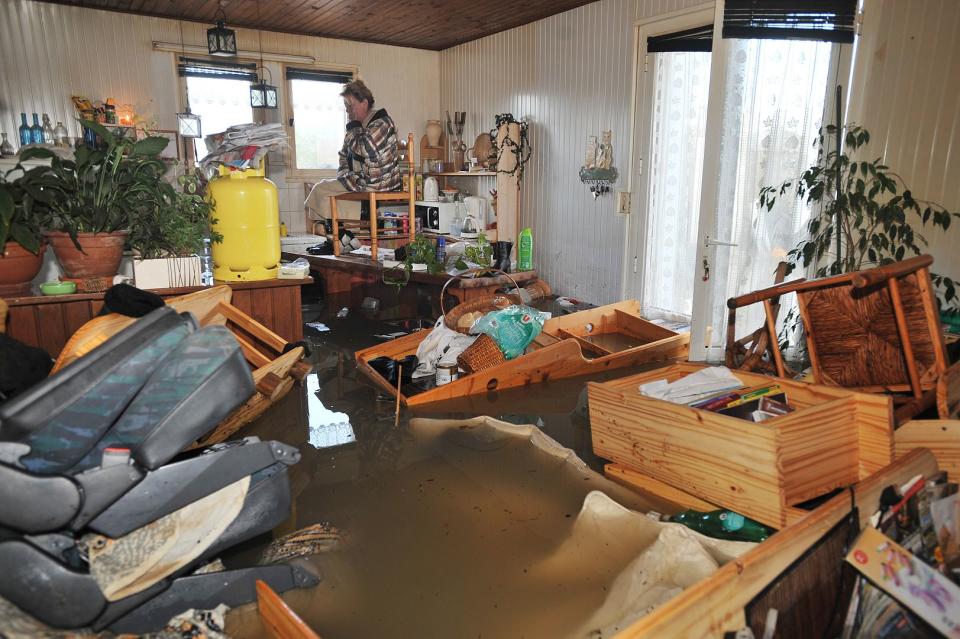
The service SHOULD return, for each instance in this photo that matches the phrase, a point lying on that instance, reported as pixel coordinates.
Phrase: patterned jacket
(368, 159)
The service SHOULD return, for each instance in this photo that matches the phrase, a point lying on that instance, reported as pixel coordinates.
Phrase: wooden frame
(373, 197)
(833, 439)
(294, 173)
(557, 353)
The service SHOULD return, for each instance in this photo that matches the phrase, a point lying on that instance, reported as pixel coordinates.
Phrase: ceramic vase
(434, 132)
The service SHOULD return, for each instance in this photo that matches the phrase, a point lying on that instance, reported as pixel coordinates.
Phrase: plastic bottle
(47, 129)
(206, 264)
(723, 524)
(525, 250)
(441, 248)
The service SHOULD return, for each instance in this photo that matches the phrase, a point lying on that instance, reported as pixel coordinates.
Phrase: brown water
(445, 533)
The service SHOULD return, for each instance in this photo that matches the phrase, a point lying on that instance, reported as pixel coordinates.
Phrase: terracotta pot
(18, 267)
(100, 256)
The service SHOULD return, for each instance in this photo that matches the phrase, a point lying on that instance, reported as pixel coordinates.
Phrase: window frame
(182, 100)
(294, 173)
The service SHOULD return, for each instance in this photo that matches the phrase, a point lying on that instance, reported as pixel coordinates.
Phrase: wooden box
(834, 438)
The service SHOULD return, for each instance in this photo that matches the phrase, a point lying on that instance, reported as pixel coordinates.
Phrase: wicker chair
(876, 330)
(373, 197)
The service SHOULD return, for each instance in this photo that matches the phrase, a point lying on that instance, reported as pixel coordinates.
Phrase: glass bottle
(26, 135)
(206, 264)
(456, 224)
(36, 131)
(6, 149)
(723, 524)
(47, 129)
(60, 135)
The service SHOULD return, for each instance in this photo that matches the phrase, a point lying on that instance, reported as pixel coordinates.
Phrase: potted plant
(876, 216)
(91, 201)
(20, 239)
(168, 234)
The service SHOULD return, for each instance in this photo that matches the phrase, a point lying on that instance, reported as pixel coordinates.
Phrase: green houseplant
(91, 201)
(168, 234)
(21, 243)
(876, 216)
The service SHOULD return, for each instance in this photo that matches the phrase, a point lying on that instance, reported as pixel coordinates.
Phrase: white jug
(431, 190)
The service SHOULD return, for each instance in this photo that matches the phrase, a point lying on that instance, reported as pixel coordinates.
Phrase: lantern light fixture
(221, 41)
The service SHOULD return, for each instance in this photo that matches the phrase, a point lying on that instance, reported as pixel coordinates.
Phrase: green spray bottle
(525, 250)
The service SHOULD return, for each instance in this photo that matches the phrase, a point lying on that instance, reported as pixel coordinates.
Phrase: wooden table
(48, 321)
(355, 276)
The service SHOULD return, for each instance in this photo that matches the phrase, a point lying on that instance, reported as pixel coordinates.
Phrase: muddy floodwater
(436, 531)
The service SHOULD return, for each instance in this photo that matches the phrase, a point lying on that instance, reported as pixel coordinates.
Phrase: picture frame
(172, 150)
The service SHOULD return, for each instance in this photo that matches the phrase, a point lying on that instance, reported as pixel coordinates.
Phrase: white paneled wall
(49, 52)
(906, 92)
(570, 75)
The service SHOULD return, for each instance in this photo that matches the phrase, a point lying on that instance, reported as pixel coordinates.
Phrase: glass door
(680, 80)
(767, 103)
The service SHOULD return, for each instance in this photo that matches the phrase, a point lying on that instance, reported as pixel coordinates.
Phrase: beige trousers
(318, 203)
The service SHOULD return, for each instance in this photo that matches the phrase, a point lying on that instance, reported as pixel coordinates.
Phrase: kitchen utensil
(476, 208)
(470, 227)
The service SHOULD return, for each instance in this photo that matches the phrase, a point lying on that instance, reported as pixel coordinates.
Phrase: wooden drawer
(833, 439)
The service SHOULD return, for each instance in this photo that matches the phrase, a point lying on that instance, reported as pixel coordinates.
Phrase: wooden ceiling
(422, 24)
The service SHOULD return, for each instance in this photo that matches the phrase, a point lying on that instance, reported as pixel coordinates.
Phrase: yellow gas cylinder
(247, 214)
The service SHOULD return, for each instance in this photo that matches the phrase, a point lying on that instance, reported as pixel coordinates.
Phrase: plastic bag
(512, 328)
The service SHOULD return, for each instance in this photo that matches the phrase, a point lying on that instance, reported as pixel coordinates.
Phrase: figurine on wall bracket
(598, 170)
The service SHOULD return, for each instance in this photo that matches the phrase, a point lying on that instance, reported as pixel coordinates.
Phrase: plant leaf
(151, 146)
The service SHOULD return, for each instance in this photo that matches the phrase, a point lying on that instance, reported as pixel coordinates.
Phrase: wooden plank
(242, 300)
(639, 327)
(50, 322)
(905, 343)
(948, 392)
(941, 436)
(646, 484)
(771, 319)
(280, 621)
(715, 605)
(22, 325)
(75, 315)
(928, 296)
(287, 316)
(261, 307)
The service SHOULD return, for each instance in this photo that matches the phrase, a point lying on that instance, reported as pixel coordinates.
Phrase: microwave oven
(436, 216)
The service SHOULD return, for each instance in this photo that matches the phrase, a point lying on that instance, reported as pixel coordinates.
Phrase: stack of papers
(244, 145)
(694, 387)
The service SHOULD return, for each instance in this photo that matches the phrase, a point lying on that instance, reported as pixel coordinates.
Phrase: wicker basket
(482, 305)
(481, 355)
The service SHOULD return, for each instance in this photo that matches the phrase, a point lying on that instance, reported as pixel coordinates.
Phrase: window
(317, 116)
(219, 93)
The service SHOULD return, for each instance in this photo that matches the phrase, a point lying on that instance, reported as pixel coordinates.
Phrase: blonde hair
(359, 91)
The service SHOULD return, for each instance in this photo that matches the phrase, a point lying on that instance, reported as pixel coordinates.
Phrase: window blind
(223, 70)
(319, 75)
(698, 39)
(823, 20)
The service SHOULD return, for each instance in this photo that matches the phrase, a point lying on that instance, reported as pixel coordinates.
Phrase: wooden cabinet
(49, 321)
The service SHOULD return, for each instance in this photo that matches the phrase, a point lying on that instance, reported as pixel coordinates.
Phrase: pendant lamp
(221, 41)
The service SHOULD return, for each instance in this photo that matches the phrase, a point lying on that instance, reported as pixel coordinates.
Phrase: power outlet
(623, 202)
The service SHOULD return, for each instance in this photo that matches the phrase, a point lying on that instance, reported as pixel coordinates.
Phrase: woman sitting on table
(368, 159)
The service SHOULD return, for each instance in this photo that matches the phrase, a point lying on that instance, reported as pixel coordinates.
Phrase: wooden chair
(374, 197)
(876, 330)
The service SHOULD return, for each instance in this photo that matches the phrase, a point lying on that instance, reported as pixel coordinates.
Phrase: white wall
(49, 52)
(571, 76)
(906, 92)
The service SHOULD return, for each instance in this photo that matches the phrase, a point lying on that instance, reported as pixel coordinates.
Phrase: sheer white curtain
(774, 96)
(680, 88)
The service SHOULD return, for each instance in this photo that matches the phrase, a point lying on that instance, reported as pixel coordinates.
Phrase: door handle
(707, 242)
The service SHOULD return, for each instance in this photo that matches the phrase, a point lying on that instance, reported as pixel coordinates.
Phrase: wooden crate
(833, 439)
